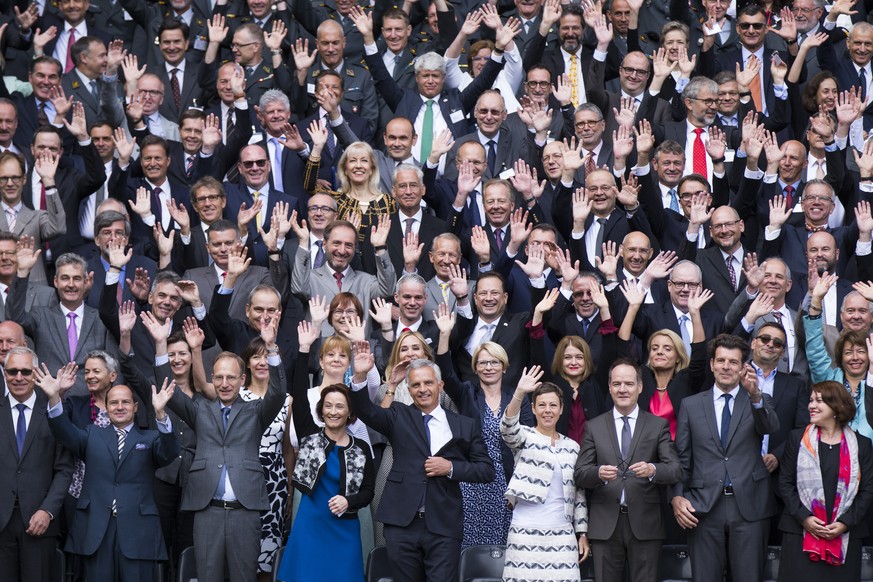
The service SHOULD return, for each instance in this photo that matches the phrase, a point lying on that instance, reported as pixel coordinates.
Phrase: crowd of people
(286, 281)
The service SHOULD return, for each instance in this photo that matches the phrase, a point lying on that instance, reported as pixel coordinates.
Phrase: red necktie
(41, 196)
(699, 154)
(71, 40)
(405, 329)
(339, 280)
(789, 197)
(590, 165)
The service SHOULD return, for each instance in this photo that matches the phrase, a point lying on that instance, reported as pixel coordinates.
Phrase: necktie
(755, 88)
(277, 164)
(444, 287)
(498, 239)
(527, 28)
(339, 280)
(862, 80)
(220, 490)
(258, 221)
(802, 38)
(41, 195)
(819, 169)
(732, 273)
(41, 115)
(788, 192)
(71, 40)
(489, 331)
(574, 78)
(474, 207)
(11, 215)
(590, 164)
(492, 156)
(725, 420)
(223, 276)
(122, 435)
(699, 154)
(683, 331)
(674, 201)
(319, 254)
(229, 125)
(189, 165)
(625, 438)
(174, 85)
(156, 205)
(409, 222)
(331, 138)
(427, 131)
(94, 94)
(72, 336)
(585, 324)
(598, 241)
(21, 428)
(405, 329)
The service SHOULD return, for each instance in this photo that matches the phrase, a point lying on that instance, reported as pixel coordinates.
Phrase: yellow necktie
(258, 221)
(444, 287)
(574, 78)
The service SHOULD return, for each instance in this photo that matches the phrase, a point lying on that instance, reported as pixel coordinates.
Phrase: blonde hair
(682, 357)
(335, 342)
(394, 358)
(359, 147)
(494, 350)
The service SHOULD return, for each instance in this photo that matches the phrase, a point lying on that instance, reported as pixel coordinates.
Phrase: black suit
(190, 88)
(95, 265)
(790, 402)
(329, 164)
(237, 193)
(716, 276)
(429, 228)
(438, 535)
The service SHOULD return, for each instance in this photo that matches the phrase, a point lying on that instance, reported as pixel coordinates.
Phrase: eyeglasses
(588, 123)
(804, 10)
(480, 59)
(690, 195)
(684, 284)
(724, 225)
(538, 84)
(224, 379)
(766, 339)
(752, 25)
(8, 254)
(151, 92)
(488, 364)
(819, 198)
(11, 179)
(13, 372)
(239, 45)
(346, 313)
(706, 102)
(208, 198)
(494, 112)
(321, 209)
(629, 71)
(248, 164)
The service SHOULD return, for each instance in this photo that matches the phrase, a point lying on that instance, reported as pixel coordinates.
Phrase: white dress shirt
(28, 411)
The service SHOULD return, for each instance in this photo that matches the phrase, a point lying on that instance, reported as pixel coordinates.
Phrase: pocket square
(141, 446)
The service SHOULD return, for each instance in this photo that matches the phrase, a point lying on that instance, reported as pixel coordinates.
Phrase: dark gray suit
(705, 464)
(37, 296)
(237, 448)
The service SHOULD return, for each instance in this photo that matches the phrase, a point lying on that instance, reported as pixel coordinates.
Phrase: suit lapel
(37, 419)
(638, 431)
(7, 424)
(709, 407)
(454, 423)
(740, 407)
(110, 439)
(88, 320)
(61, 330)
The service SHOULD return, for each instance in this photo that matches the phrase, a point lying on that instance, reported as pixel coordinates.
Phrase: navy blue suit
(237, 193)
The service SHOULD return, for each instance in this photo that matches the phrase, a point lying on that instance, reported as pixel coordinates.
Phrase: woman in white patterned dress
(547, 537)
(277, 453)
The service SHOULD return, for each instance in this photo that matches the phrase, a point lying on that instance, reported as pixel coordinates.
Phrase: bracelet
(278, 52)
(745, 93)
(497, 51)
(718, 160)
(791, 42)
(378, 248)
(117, 268)
(529, 200)
(514, 397)
(389, 393)
(811, 307)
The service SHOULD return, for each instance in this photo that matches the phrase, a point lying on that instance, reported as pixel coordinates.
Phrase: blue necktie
(725, 428)
(219, 491)
(21, 429)
(319, 255)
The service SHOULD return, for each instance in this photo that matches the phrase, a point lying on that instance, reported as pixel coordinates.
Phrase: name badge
(507, 174)
(200, 43)
(729, 156)
(457, 116)
(310, 88)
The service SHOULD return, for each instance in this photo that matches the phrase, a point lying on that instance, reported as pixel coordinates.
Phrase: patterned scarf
(811, 491)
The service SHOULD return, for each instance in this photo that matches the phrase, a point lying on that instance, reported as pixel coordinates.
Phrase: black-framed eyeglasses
(752, 25)
(13, 372)
(11, 179)
(766, 339)
(632, 71)
(322, 209)
(249, 164)
(707, 102)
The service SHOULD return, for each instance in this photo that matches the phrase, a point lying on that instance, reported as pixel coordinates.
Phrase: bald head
(636, 251)
(11, 336)
(726, 229)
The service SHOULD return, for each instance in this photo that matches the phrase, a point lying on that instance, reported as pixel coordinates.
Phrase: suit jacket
(705, 462)
(359, 96)
(716, 277)
(650, 443)
(127, 481)
(237, 193)
(106, 107)
(190, 92)
(840, 63)
(358, 130)
(207, 280)
(510, 334)
(47, 326)
(452, 102)
(551, 57)
(40, 476)
(42, 225)
(96, 266)
(149, 17)
(790, 402)
(510, 148)
(386, 170)
(237, 447)
(429, 228)
(407, 483)
(37, 296)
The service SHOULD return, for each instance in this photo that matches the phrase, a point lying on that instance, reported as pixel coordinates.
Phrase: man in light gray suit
(226, 487)
(222, 236)
(336, 275)
(725, 497)
(65, 332)
(86, 82)
(39, 295)
(445, 255)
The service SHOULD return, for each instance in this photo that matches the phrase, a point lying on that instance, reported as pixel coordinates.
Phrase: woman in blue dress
(335, 473)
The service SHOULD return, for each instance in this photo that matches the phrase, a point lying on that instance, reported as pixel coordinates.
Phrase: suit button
(725, 458)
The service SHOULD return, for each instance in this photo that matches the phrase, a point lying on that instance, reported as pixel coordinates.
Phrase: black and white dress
(273, 521)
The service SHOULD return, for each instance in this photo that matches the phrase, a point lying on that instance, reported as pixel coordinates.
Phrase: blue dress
(486, 516)
(322, 546)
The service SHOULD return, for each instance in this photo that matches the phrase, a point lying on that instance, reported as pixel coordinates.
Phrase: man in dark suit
(177, 69)
(86, 83)
(434, 450)
(44, 75)
(287, 162)
(410, 295)
(73, 21)
(310, 16)
(725, 493)
(37, 295)
(411, 219)
(399, 138)
(226, 485)
(61, 333)
(208, 199)
(575, 313)
(589, 128)
(252, 188)
(151, 18)
(452, 106)
(393, 43)
(530, 15)
(35, 472)
(625, 457)
(116, 527)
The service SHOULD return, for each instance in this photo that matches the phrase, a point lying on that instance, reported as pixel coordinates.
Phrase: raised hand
(697, 299)
(467, 179)
(189, 292)
(379, 233)
(142, 205)
(117, 255)
(645, 139)
(754, 273)
(123, 145)
(530, 379)
(46, 167)
(717, 143)
(700, 210)
(179, 213)
(412, 250)
(626, 114)
(761, 306)
(141, 284)
(274, 38)
(535, 264)
(194, 335)
(441, 145)
(608, 265)
(865, 159)
(78, 127)
(161, 397)
(519, 228)
(246, 215)
(745, 77)
(318, 310)
(569, 269)
(548, 301)
(381, 313)
(629, 193)
(823, 285)
(864, 218)
(126, 317)
(159, 331)
(779, 211)
(480, 244)
(662, 265)
(632, 292)
(622, 142)
(581, 208)
(237, 263)
(444, 318)
(459, 285)
(362, 360)
(303, 59)
(307, 334)
(562, 90)
(211, 133)
(598, 296)
(216, 29)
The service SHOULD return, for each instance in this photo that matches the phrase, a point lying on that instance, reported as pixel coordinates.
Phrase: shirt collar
(760, 374)
(81, 29)
(163, 186)
(79, 311)
(633, 413)
(747, 53)
(438, 413)
(84, 78)
(30, 402)
(717, 393)
(16, 208)
(737, 254)
(484, 139)
(417, 216)
(180, 66)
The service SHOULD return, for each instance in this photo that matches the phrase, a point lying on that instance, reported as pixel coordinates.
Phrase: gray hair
(71, 259)
(422, 363)
(274, 96)
(409, 168)
(264, 287)
(411, 279)
(689, 263)
(784, 264)
(23, 350)
(696, 86)
(853, 294)
(165, 277)
(430, 62)
(111, 363)
(820, 182)
(591, 107)
(107, 218)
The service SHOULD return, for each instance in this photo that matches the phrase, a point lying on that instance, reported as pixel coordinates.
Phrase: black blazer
(429, 229)
(790, 403)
